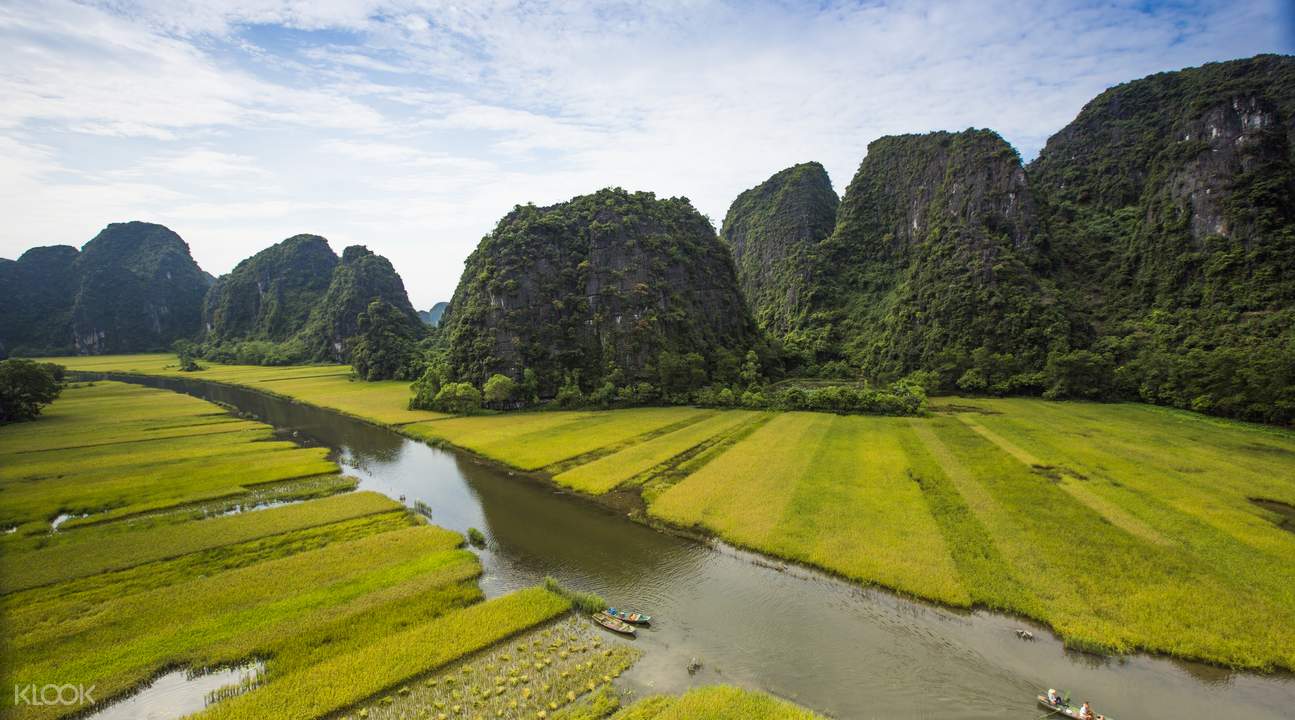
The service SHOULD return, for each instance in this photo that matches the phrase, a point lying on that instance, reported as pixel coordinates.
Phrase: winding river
(833, 646)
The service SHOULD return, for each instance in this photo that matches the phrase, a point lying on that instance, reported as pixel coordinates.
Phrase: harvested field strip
(657, 480)
(74, 555)
(342, 681)
(563, 466)
(545, 670)
(633, 458)
(858, 493)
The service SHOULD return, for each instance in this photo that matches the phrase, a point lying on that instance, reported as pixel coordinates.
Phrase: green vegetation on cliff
(600, 294)
(772, 230)
(297, 302)
(133, 287)
(1171, 200)
(270, 295)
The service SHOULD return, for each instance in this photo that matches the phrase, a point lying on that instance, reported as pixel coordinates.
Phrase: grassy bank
(1122, 526)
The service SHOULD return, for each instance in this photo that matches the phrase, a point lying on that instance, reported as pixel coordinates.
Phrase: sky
(413, 126)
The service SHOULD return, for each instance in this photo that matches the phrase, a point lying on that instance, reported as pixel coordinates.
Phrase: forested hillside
(1172, 203)
(298, 302)
(610, 289)
(133, 287)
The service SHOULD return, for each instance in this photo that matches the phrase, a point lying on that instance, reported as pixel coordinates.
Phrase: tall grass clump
(585, 601)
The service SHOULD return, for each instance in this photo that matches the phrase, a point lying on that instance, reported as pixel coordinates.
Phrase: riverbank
(1117, 525)
(324, 606)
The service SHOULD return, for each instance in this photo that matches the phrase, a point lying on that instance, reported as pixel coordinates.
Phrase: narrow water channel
(830, 645)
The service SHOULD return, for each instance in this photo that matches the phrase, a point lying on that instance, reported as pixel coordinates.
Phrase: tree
(530, 386)
(427, 386)
(386, 346)
(570, 395)
(458, 398)
(751, 369)
(187, 351)
(26, 387)
(499, 390)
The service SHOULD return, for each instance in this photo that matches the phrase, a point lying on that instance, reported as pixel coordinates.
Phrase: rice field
(718, 702)
(541, 673)
(344, 585)
(124, 449)
(329, 386)
(1123, 527)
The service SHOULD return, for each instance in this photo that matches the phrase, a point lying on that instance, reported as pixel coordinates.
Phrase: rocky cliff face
(937, 254)
(270, 295)
(1172, 202)
(134, 287)
(1177, 190)
(598, 286)
(360, 278)
(772, 230)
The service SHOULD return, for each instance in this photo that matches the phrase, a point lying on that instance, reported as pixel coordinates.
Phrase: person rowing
(1086, 712)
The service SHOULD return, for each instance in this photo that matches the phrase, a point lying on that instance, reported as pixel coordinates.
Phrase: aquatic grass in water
(543, 673)
(586, 601)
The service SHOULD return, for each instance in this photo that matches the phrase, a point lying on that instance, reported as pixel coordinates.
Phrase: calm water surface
(830, 645)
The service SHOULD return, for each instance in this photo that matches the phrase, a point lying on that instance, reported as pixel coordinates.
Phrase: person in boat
(1053, 697)
(1086, 712)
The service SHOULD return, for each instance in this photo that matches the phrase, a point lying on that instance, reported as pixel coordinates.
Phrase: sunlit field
(1122, 526)
(329, 386)
(352, 605)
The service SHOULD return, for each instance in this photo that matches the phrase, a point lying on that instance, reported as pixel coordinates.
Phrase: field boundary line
(667, 471)
(1073, 486)
(561, 466)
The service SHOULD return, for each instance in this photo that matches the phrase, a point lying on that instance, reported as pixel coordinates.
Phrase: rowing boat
(1066, 710)
(614, 624)
(629, 616)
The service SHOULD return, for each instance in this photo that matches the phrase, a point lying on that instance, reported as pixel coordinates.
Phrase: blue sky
(412, 126)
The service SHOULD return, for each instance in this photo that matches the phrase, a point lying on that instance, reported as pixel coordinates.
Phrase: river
(846, 651)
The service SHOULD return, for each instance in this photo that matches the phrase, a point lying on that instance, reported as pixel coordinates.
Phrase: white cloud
(413, 125)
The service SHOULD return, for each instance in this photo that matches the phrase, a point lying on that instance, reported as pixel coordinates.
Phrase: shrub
(458, 398)
(426, 388)
(476, 537)
(499, 390)
(589, 602)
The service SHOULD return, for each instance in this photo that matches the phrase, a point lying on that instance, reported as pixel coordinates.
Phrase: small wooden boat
(614, 624)
(1064, 709)
(629, 616)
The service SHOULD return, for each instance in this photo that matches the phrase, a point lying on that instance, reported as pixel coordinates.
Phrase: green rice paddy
(355, 605)
(1122, 526)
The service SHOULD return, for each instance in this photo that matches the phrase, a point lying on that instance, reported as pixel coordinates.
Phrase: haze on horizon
(413, 126)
